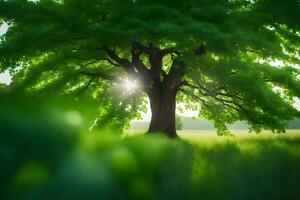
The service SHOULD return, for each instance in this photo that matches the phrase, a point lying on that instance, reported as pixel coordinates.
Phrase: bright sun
(130, 85)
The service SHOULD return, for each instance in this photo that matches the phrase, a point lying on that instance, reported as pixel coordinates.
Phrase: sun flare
(130, 86)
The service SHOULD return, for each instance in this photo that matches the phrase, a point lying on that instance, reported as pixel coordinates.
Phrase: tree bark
(163, 107)
(160, 86)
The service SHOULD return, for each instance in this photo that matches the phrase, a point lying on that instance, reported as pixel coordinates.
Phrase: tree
(216, 56)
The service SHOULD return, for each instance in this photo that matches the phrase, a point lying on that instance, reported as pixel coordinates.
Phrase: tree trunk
(163, 106)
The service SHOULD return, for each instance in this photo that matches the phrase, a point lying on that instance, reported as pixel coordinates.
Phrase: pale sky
(4, 77)
(3, 29)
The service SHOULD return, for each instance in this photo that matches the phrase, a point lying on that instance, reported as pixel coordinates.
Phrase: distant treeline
(202, 124)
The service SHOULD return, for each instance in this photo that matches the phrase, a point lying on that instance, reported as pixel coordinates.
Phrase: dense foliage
(216, 56)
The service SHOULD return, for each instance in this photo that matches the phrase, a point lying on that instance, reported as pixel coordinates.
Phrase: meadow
(44, 157)
(75, 73)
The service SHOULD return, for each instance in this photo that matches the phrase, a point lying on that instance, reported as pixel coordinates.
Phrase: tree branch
(226, 103)
(167, 51)
(121, 61)
(110, 61)
(174, 78)
(87, 85)
(141, 48)
(194, 96)
(98, 74)
(136, 51)
(200, 50)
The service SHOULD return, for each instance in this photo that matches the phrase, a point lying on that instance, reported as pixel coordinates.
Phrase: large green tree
(217, 56)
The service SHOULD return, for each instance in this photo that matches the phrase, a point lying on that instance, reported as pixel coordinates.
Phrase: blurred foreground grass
(45, 157)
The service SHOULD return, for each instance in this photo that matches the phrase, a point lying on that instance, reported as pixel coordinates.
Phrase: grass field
(243, 166)
(45, 159)
(200, 135)
(210, 135)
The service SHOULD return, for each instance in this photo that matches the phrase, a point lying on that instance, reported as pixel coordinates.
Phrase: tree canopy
(230, 59)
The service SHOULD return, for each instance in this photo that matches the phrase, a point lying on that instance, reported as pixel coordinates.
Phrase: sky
(3, 29)
(6, 79)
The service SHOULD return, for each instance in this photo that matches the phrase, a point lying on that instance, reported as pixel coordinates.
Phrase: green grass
(45, 158)
(246, 166)
(208, 136)
(238, 135)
